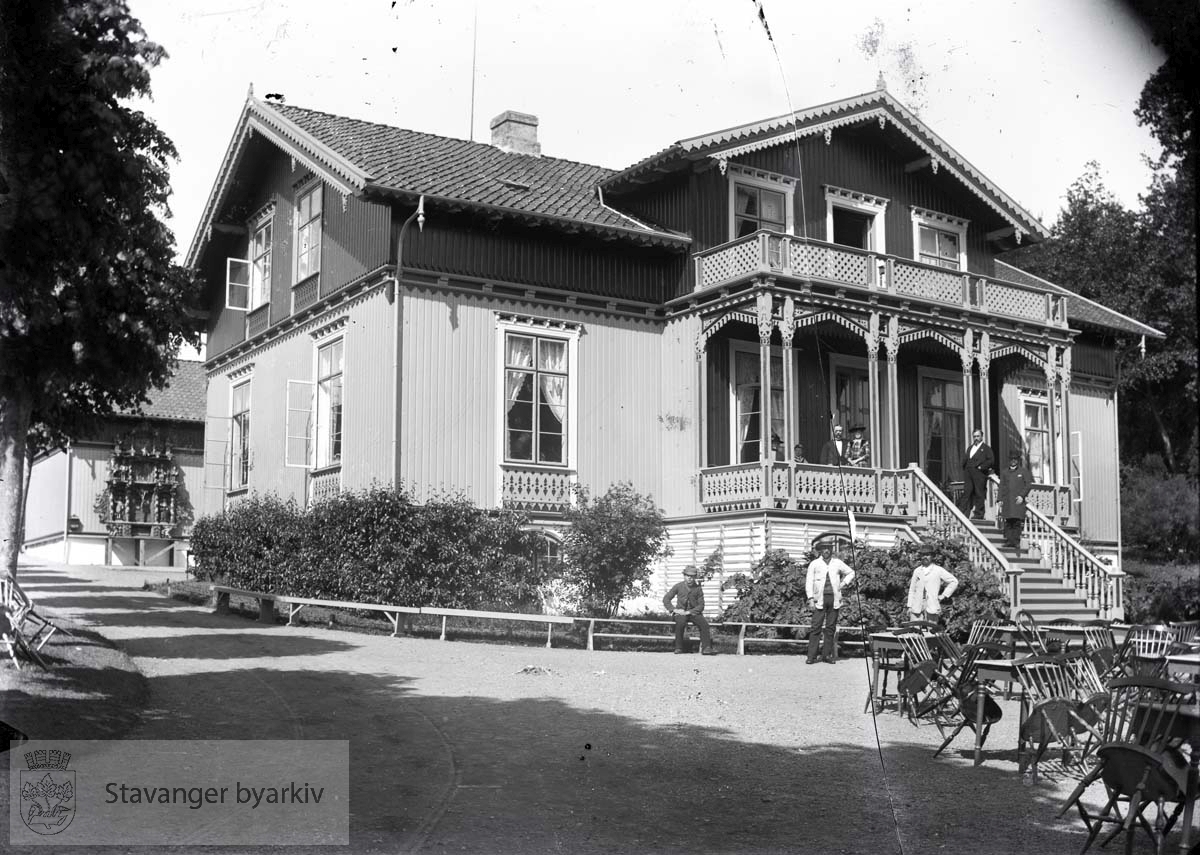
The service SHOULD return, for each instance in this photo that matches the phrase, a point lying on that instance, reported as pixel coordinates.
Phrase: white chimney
(516, 132)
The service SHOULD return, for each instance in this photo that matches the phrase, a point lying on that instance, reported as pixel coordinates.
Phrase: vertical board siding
(540, 257)
(1094, 360)
(354, 241)
(89, 478)
(678, 417)
(450, 423)
(45, 506)
(1094, 416)
(369, 392)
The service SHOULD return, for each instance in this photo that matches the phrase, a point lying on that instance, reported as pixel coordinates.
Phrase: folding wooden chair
(1144, 647)
(35, 627)
(13, 641)
(966, 692)
(1054, 714)
(1140, 762)
(922, 688)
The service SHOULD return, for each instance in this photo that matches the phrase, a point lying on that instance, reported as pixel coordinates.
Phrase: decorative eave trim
(333, 327)
(1009, 349)
(925, 332)
(256, 117)
(855, 196)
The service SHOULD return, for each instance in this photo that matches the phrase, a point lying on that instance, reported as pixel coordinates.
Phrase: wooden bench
(392, 613)
(549, 620)
(266, 602)
(592, 634)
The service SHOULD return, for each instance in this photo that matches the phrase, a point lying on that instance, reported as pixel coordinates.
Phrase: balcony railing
(535, 488)
(773, 254)
(805, 486)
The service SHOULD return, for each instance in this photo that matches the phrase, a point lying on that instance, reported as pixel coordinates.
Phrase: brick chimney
(516, 132)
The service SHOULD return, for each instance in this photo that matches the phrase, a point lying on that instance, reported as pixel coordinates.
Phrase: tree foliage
(92, 307)
(609, 545)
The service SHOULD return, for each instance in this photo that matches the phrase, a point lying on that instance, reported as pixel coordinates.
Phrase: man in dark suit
(834, 452)
(978, 463)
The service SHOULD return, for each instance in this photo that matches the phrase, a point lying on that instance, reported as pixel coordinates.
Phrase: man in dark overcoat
(1015, 482)
(977, 464)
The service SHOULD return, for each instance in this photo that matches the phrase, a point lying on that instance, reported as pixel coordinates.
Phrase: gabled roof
(1079, 309)
(184, 399)
(878, 106)
(359, 157)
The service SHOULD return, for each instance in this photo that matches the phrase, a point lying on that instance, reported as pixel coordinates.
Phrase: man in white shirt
(826, 578)
(925, 591)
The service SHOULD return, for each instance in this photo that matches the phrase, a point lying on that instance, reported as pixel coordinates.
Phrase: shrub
(1160, 513)
(608, 547)
(1159, 593)
(375, 546)
(774, 591)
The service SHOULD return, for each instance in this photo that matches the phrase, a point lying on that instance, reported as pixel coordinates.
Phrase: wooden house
(389, 306)
(127, 493)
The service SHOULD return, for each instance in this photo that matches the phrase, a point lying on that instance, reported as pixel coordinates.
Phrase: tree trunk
(15, 411)
(1168, 449)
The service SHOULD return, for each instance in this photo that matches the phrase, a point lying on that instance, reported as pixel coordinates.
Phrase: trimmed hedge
(375, 546)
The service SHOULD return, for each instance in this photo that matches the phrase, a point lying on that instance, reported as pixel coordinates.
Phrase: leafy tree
(92, 307)
(1160, 516)
(609, 545)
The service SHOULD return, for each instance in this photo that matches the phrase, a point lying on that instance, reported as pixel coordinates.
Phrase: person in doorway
(827, 576)
(685, 601)
(930, 585)
(798, 454)
(977, 465)
(859, 451)
(1015, 482)
(834, 451)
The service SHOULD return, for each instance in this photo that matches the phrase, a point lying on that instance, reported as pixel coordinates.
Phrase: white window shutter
(300, 442)
(237, 284)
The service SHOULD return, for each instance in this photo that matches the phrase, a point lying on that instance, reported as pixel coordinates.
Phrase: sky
(1027, 91)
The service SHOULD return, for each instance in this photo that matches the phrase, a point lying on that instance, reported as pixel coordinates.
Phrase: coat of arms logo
(47, 791)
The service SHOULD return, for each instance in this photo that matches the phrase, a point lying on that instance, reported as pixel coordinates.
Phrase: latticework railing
(1102, 586)
(258, 320)
(305, 294)
(775, 254)
(805, 486)
(732, 488)
(324, 484)
(938, 512)
(531, 488)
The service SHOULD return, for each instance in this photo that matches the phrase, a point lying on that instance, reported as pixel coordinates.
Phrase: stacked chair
(1140, 761)
(1057, 714)
(966, 692)
(24, 631)
(1143, 649)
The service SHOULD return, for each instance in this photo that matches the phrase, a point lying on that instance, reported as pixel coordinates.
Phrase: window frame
(860, 203)
(325, 457)
(240, 424)
(947, 223)
(737, 347)
(761, 180)
(953, 455)
(536, 328)
(260, 285)
(306, 189)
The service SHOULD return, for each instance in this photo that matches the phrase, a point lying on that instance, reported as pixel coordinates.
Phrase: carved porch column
(787, 331)
(984, 358)
(1051, 371)
(766, 323)
(872, 339)
(1064, 378)
(892, 345)
(966, 354)
(702, 416)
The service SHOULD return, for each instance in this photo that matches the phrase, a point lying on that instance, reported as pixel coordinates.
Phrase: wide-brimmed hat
(691, 571)
(924, 549)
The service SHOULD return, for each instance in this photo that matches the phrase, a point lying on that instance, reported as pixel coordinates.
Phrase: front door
(942, 440)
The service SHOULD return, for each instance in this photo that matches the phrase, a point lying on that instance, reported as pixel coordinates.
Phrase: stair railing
(1101, 585)
(938, 511)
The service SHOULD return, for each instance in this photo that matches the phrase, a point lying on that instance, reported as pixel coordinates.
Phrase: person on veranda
(1015, 483)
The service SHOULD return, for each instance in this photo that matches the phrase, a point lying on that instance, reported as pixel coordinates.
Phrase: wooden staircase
(1044, 594)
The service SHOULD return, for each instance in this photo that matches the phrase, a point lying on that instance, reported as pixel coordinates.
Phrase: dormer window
(856, 219)
(940, 239)
(260, 264)
(308, 232)
(759, 200)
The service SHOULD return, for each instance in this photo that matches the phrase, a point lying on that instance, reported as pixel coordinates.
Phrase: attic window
(514, 185)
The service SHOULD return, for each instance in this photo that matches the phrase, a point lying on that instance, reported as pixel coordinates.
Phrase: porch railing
(939, 512)
(535, 488)
(1052, 500)
(807, 487)
(780, 255)
(1101, 585)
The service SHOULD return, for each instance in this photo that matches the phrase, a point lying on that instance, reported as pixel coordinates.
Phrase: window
(856, 219)
(329, 404)
(942, 438)
(239, 440)
(940, 239)
(308, 233)
(536, 373)
(748, 405)
(260, 265)
(1035, 420)
(759, 200)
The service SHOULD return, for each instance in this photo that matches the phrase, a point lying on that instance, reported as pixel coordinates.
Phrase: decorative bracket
(828, 136)
(765, 307)
(787, 324)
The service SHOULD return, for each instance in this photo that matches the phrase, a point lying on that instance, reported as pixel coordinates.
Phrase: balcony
(533, 488)
(790, 257)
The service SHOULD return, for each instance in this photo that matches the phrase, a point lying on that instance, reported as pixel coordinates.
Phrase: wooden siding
(46, 506)
(366, 446)
(355, 241)
(1094, 359)
(1094, 417)
(458, 245)
(679, 416)
(450, 418)
(89, 476)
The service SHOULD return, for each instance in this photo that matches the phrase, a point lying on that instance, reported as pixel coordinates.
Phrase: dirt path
(461, 747)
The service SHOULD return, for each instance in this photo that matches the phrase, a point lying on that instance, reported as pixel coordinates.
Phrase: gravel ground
(466, 747)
